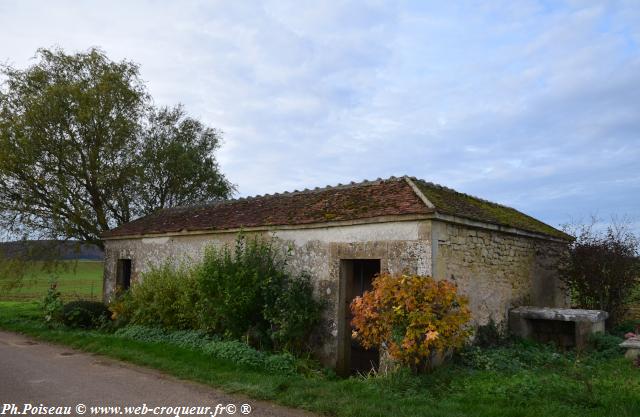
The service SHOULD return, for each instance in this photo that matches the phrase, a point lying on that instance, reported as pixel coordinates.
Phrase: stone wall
(400, 246)
(633, 312)
(497, 270)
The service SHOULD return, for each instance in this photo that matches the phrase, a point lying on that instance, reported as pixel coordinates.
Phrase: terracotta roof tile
(368, 199)
(351, 202)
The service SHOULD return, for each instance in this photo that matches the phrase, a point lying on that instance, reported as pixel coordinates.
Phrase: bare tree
(602, 267)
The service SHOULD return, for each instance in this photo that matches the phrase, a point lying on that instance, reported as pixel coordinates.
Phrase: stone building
(344, 235)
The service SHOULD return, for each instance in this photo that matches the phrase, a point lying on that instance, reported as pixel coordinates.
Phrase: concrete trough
(567, 328)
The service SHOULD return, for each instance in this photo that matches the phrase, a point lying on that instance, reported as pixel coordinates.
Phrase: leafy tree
(602, 268)
(83, 150)
(177, 167)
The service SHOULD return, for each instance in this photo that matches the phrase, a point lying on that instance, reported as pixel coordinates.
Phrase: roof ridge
(339, 186)
(418, 192)
(445, 188)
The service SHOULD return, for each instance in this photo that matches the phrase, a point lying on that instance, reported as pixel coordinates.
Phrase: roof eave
(270, 228)
(497, 227)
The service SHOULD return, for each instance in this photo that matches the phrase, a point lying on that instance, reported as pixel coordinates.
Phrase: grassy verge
(585, 387)
(76, 279)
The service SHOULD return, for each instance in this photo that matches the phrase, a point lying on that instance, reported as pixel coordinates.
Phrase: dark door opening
(123, 279)
(358, 274)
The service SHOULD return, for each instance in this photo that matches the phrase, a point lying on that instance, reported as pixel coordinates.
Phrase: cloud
(533, 104)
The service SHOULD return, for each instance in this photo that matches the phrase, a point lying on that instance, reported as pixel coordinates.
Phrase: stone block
(564, 326)
(633, 348)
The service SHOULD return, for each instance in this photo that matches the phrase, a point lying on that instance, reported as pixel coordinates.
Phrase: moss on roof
(451, 202)
(368, 199)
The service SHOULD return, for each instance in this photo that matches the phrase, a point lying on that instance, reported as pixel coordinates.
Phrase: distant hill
(51, 249)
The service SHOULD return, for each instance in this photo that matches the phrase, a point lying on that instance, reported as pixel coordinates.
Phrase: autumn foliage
(414, 317)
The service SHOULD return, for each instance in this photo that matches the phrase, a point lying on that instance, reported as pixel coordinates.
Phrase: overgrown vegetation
(52, 304)
(415, 317)
(602, 268)
(523, 379)
(85, 314)
(231, 350)
(241, 293)
(247, 292)
(166, 297)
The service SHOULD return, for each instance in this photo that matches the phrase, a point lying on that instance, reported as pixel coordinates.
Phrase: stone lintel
(560, 314)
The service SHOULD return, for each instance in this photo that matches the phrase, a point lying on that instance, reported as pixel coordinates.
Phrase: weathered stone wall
(497, 270)
(400, 246)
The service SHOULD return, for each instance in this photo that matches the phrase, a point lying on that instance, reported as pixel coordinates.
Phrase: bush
(293, 313)
(513, 357)
(52, 304)
(166, 297)
(604, 345)
(190, 338)
(85, 314)
(628, 326)
(241, 293)
(601, 269)
(236, 352)
(414, 317)
(282, 363)
(489, 335)
(247, 293)
(236, 285)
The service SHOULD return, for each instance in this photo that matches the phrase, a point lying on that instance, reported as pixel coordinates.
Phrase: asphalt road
(37, 373)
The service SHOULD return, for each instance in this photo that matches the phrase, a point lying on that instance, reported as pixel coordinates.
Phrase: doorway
(357, 276)
(123, 274)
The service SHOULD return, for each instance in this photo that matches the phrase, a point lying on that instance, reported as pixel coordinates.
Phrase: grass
(544, 383)
(81, 279)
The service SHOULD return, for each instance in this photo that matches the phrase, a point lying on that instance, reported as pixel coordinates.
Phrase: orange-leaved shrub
(415, 318)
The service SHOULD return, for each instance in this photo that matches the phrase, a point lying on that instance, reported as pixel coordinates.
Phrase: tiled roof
(350, 202)
(448, 201)
(368, 199)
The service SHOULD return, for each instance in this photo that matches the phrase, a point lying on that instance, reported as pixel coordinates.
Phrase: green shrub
(247, 293)
(489, 335)
(191, 339)
(85, 314)
(282, 363)
(519, 355)
(604, 345)
(236, 352)
(236, 285)
(166, 297)
(292, 313)
(241, 293)
(627, 326)
(52, 305)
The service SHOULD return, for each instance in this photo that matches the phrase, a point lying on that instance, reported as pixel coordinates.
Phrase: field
(76, 279)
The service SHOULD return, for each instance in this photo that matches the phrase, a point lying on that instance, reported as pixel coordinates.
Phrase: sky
(532, 104)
